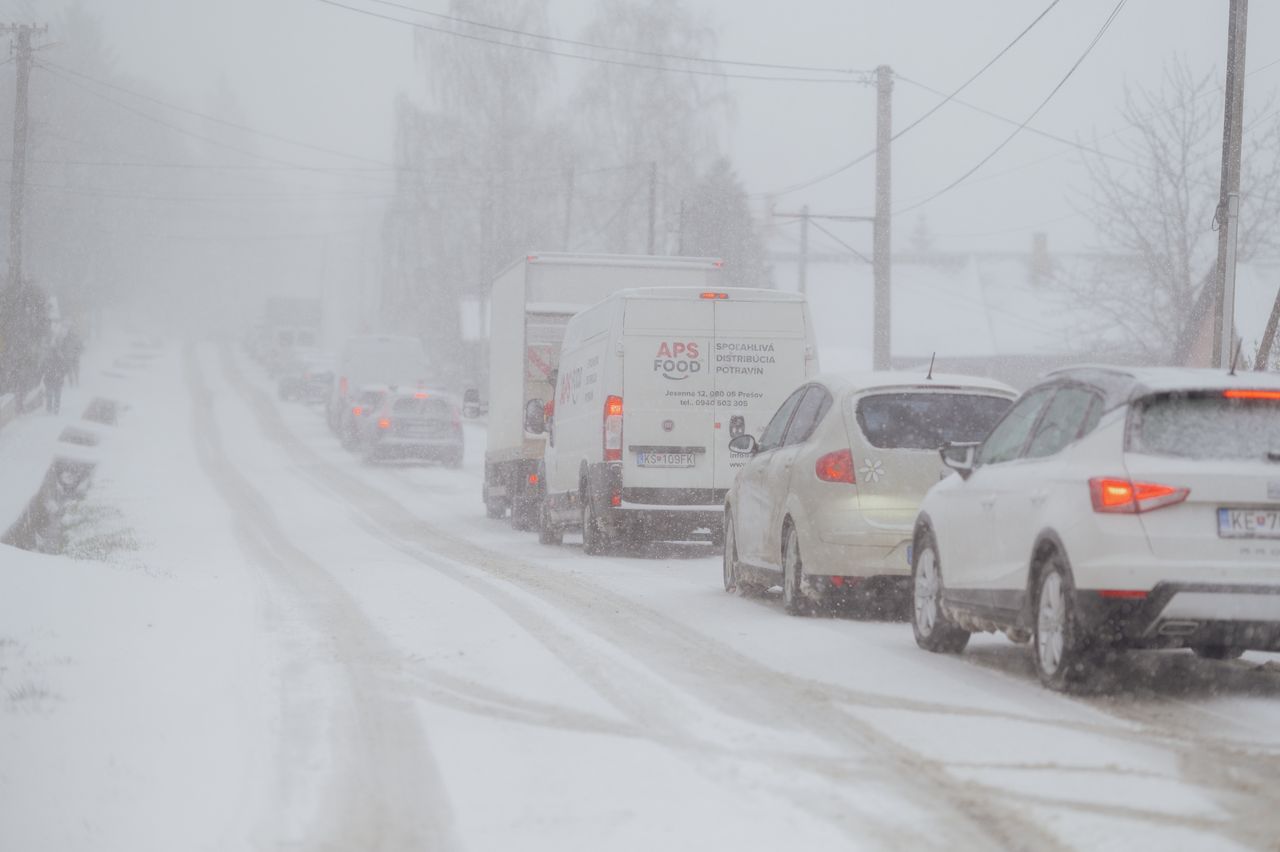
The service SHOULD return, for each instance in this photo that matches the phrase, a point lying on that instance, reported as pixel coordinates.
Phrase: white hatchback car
(1110, 508)
(825, 499)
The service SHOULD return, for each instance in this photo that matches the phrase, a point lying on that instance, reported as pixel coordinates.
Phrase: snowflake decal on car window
(872, 470)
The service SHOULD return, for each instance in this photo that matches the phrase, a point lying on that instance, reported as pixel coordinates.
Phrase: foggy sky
(302, 69)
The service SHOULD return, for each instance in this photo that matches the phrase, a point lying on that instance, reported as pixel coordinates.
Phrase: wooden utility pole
(804, 250)
(653, 207)
(18, 181)
(1228, 216)
(882, 312)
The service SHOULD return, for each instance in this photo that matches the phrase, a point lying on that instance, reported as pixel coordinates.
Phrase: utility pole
(804, 249)
(881, 344)
(17, 186)
(568, 206)
(653, 207)
(1228, 214)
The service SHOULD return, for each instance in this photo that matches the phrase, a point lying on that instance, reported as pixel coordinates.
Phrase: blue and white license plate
(1249, 523)
(648, 459)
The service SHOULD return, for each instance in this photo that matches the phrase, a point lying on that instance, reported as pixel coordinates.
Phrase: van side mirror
(745, 444)
(535, 418)
(471, 403)
(959, 457)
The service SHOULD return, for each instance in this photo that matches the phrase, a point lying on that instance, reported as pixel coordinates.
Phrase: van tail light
(384, 423)
(1123, 496)
(613, 428)
(835, 467)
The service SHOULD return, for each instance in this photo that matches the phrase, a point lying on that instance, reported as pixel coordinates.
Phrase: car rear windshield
(926, 421)
(421, 407)
(1205, 426)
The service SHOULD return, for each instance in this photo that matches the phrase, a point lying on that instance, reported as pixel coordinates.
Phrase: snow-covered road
(339, 656)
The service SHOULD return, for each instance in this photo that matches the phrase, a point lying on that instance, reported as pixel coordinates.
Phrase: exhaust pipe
(1178, 628)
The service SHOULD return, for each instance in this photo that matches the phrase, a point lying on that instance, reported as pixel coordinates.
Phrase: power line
(865, 156)
(1089, 49)
(845, 245)
(50, 66)
(814, 69)
(601, 60)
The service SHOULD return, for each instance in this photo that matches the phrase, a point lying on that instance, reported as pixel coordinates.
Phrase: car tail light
(384, 423)
(1123, 496)
(1252, 394)
(342, 386)
(713, 295)
(358, 410)
(615, 499)
(613, 428)
(835, 467)
(419, 395)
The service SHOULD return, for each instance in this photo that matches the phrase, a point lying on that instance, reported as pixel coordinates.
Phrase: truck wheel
(593, 538)
(495, 510)
(548, 532)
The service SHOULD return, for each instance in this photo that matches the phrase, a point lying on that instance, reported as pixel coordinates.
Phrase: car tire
(794, 600)
(1059, 645)
(934, 631)
(594, 542)
(548, 533)
(730, 559)
(1217, 652)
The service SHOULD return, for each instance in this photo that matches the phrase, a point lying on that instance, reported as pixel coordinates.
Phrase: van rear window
(926, 421)
(1205, 426)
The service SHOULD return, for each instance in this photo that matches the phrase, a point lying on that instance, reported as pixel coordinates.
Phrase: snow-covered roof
(886, 379)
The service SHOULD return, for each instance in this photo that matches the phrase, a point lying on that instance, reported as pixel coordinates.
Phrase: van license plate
(664, 459)
(1249, 523)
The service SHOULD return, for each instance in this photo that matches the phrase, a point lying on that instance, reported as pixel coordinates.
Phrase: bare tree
(1153, 207)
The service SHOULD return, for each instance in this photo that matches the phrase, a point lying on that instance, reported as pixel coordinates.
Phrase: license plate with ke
(648, 459)
(1249, 523)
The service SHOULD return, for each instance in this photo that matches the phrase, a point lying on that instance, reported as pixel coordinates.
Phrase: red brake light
(613, 428)
(533, 479)
(714, 295)
(1132, 594)
(419, 396)
(1123, 496)
(1251, 394)
(384, 423)
(835, 467)
(358, 410)
(342, 385)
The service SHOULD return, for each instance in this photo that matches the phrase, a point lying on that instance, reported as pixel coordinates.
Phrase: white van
(652, 385)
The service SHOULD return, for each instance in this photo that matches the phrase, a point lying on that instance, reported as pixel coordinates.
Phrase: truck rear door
(668, 404)
(756, 360)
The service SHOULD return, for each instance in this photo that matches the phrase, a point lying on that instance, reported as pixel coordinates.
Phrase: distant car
(307, 376)
(365, 401)
(825, 501)
(422, 425)
(1110, 509)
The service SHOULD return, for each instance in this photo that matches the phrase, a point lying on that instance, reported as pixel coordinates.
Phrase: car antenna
(932, 358)
(1236, 357)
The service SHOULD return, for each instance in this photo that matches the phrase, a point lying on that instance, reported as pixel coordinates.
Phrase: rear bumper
(655, 514)
(414, 448)
(1187, 614)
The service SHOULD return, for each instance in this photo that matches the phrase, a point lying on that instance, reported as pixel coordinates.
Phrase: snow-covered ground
(276, 646)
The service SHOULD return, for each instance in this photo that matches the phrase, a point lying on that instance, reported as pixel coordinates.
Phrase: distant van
(373, 359)
(652, 385)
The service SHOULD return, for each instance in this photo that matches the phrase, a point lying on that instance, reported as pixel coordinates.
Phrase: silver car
(413, 424)
(826, 496)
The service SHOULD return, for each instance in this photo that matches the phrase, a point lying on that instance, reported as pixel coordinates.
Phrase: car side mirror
(535, 418)
(745, 444)
(959, 457)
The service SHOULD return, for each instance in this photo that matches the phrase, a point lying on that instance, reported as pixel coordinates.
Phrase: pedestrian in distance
(72, 348)
(54, 372)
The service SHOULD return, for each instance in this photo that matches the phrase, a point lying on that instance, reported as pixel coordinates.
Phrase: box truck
(530, 304)
(653, 384)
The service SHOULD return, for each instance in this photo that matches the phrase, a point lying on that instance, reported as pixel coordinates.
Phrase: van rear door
(668, 408)
(758, 357)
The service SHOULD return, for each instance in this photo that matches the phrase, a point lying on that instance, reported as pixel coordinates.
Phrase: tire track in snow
(969, 815)
(385, 793)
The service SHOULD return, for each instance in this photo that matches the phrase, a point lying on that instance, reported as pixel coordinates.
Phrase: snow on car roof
(872, 379)
(1131, 382)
